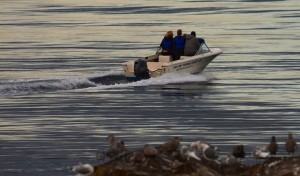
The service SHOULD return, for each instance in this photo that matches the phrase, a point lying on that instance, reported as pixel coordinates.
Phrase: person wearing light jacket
(191, 44)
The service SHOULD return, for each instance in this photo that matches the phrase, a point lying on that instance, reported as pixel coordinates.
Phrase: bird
(290, 144)
(211, 153)
(261, 152)
(114, 148)
(83, 169)
(121, 146)
(150, 151)
(186, 153)
(238, 151)
(273, 146)
(198, 145)
(170, 146)
(208, 151)
(111, 139)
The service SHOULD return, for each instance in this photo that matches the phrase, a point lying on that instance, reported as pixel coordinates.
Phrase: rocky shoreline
(167, 165)
(198, 159)
(160, 166)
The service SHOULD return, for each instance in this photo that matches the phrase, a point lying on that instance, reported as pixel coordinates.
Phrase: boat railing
(158, 49)
(202, 49)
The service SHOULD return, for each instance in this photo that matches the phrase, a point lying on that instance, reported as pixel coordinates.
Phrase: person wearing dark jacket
(167, 44)
(191, 44)
(179, 42)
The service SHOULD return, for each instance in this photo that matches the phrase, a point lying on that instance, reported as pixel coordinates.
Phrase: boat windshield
(202, 49)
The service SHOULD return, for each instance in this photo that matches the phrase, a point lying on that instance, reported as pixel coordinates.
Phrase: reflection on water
(62, 90)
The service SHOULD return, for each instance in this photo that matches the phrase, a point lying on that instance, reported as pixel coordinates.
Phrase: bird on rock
(170, 146)
(211, 153)
(239, 152)
(198, 145)
(186, 153)
(121, 146)
(111, 139)
(290, 144)
(150, 151)
(114, 148)
(273, 146)
(261, 152)
(83, 169)
(208, 151)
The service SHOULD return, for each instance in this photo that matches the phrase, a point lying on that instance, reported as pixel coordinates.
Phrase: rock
(169, 159)
(169, 165)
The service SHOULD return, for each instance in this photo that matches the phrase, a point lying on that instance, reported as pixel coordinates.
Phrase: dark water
(62, 90)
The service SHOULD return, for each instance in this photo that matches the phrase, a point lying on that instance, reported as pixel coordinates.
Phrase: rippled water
(62, 90)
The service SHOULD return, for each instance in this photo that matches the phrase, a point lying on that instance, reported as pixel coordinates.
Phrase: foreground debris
(171, 164)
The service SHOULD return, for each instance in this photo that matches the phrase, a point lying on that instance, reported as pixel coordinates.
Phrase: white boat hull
(159, 65)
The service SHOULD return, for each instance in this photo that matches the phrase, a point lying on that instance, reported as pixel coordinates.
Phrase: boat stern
(128, 69)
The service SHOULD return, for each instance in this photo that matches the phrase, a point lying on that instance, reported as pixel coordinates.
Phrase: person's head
(193, 33)
(179, 32)
(169, 34)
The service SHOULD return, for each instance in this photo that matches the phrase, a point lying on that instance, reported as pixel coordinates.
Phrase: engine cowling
(141, 69)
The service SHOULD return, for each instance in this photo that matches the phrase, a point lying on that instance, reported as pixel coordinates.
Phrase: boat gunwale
(191, 58)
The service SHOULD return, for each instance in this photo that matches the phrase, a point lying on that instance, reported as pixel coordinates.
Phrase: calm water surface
(52, 115)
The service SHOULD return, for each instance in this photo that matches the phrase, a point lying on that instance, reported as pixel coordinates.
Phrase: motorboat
(157, 64)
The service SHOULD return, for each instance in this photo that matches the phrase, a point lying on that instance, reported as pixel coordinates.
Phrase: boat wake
(31, 86)
(106, 80)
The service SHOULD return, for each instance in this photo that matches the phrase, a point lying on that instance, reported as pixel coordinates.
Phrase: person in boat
(179, 42)
(167, 44)
(191, 44)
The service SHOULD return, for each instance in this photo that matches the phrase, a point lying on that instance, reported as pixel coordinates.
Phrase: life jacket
(179, 42)
(166, 44)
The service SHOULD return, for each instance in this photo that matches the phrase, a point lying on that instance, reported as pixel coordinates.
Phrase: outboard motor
(141, 70)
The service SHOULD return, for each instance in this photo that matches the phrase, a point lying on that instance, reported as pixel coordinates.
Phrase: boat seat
(153, 66)
(183, 57)
(164, 59)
